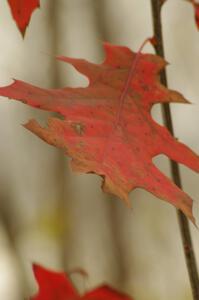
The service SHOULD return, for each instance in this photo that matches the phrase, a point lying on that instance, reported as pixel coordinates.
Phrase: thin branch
(183, 222)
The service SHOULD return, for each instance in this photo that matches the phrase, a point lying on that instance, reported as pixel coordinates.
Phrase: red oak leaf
(22, 11)
(107, 127)
(57, 286)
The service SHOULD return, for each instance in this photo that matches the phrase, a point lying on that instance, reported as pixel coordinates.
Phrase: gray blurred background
(62, 220)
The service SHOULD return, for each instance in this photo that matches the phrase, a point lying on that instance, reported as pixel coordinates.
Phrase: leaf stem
(183, 222)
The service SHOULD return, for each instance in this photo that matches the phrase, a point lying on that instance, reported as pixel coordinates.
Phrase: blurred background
(62, 220)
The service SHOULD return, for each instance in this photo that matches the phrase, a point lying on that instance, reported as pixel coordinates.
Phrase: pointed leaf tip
(21, 11)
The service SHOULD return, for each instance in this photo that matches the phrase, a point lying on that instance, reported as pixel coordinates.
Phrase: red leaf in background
(22, 11)
(107, 127)
(196, 9)
(57, 286)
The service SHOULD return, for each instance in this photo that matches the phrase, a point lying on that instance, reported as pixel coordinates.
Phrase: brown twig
(183, 222)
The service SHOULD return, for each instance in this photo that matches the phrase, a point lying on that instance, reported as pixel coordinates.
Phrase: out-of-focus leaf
(57, 286)
(22, 11)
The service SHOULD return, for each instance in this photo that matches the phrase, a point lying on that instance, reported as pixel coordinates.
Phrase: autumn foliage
(57, 286)
(22, 11)
(107, 127)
